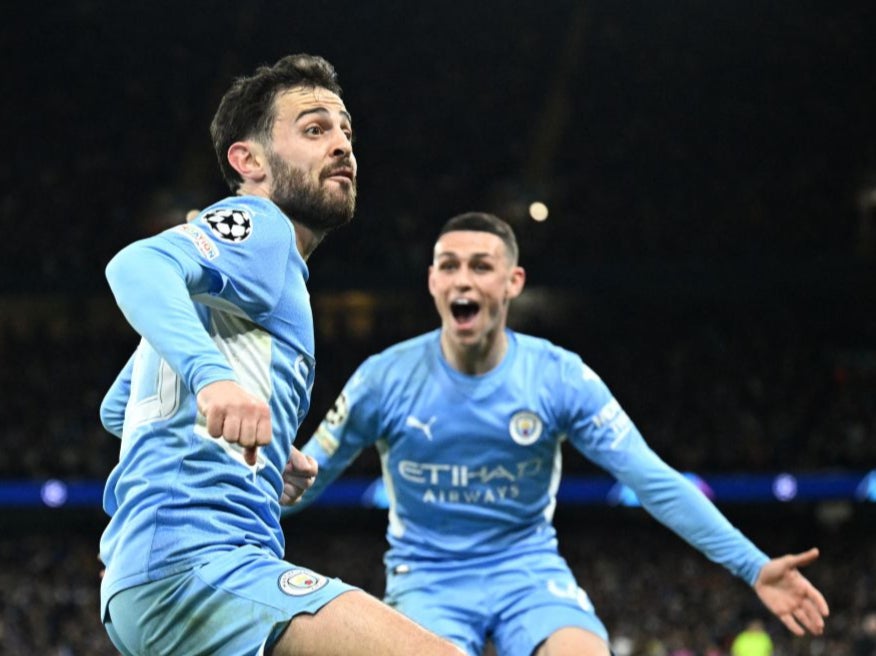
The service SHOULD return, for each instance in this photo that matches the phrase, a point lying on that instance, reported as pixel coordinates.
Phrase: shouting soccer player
(468, 421)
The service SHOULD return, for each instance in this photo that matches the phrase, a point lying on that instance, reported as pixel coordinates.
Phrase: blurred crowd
(648, 133)
(657, 596)
(712, 390)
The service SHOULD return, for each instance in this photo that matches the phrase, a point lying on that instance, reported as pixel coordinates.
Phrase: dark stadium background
(710, 173)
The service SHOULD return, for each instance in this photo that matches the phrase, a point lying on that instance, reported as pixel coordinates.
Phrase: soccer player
(468, 421)
(208, 405)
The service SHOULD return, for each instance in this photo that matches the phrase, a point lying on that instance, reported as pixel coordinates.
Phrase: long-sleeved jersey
(221, 298)
(472, 464)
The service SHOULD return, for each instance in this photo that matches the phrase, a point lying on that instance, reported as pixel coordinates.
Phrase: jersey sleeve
(601, 430)
(350, 426)
(112, 408)
(155, 281)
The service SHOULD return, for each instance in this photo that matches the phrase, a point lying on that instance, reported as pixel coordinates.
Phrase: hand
(236, 416)
(298, 476)
(790, 595)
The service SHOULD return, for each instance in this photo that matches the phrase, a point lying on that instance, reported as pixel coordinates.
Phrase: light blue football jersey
(221, 298)
(472, 464)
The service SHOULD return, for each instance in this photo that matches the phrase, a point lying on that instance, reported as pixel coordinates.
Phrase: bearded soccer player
(210, 402)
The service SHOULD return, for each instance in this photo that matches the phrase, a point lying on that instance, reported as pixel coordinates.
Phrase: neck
(306, 239)
(475, 359)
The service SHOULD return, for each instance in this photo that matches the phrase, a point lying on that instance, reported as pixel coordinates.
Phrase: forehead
(469, 243)
(291, 102)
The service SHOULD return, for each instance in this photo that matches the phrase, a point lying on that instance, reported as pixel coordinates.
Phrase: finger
(263, 429)
(231, 429)
(302, 464)
(247, 437)
(215, 420)
(291, 494)
(818, 599)
(809, 616)
(191, 215)
(250, 455)
(297, 460)
(291, 491)
(789, 621)
(301, 483)
(815, 600)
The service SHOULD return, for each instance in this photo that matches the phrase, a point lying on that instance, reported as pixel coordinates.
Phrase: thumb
(805, 558)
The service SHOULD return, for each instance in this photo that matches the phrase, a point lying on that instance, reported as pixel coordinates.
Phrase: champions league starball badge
(229, 224)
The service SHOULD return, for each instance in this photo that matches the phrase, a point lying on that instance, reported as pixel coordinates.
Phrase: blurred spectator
(865, 641)
(753, 640)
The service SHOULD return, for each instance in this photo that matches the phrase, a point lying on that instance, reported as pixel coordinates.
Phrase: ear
(431, 280)
(516, 282)
(249, 160)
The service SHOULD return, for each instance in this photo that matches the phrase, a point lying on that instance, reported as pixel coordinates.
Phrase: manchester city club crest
(525, 427)
(298, 582)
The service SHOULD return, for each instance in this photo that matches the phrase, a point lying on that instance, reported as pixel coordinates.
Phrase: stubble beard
(314, 206)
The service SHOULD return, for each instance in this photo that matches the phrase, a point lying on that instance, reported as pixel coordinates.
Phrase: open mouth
(464, 310)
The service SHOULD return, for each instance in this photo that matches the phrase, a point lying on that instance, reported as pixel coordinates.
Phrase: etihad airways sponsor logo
(453, 483)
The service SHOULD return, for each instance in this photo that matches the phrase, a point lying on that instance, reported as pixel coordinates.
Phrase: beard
(314, 206)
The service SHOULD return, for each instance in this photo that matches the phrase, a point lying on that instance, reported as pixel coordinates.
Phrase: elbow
(123, 268)
(112, 420)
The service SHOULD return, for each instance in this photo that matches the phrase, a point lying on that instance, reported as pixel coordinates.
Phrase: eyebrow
(471, 255)
(323, 110)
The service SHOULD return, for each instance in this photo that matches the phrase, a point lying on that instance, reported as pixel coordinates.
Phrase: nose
(462, 278)
(341, 145)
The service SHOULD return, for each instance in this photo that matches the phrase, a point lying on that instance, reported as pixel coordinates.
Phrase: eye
(447, 266)
(313, 130)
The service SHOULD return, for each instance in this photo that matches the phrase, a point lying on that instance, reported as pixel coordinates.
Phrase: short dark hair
(483, 222)
(246, 111)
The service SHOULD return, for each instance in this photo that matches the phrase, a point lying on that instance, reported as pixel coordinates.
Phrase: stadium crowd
(712, 394)
(657, 596)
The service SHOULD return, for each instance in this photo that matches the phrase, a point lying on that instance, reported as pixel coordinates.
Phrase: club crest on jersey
(229, 224)
(525, 427)
(298, 582)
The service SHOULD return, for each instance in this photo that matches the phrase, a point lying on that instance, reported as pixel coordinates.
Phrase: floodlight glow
(538, 211)
(54, 493)
(785, 487)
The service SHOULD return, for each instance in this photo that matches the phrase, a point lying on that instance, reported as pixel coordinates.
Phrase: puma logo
(413, 422)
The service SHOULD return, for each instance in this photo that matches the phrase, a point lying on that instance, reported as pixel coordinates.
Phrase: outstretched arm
(790, 596)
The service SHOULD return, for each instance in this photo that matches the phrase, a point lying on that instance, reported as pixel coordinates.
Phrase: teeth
(463, 301)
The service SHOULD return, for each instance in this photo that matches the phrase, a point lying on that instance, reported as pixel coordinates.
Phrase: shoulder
(546, 356)
(237, 219)
(539, 348)
(401, 360)
(410, 349)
